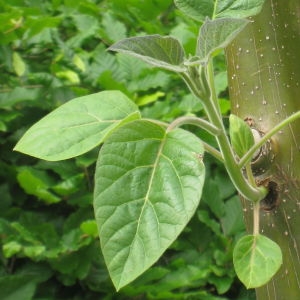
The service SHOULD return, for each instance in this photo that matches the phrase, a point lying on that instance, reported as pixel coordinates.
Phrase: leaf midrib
(159, 153)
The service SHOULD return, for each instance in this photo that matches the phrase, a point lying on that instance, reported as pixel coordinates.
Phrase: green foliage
(217, 34)
(54, 51)
(77, 126)
(256, 259)
(240, 134)
(165, 177)
(164, 52)
(199, 10)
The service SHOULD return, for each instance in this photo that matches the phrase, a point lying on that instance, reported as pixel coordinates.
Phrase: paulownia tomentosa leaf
(200, 9)
(217, 34)
(161, 51)
(256, 260)
(148, 184)
(77, 126)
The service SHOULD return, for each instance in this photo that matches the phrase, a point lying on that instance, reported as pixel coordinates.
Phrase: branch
(248, 156)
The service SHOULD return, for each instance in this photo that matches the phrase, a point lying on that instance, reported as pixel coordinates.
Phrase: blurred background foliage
(50, 52)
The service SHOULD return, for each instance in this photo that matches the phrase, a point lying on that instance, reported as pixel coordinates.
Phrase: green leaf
(37, 183)
(36, 25)
(79, 63)
(217, 34)
(114, 30)
(196, 9)
(238, 8)
(69, 76)
(204, 217)
(70, 185)
(11, 248)
(148, 184)
(256, 259)
(77, 126)
(144, 100)
(17, 287)
(240, 134)
(199, 10)
(165, 52)
(19, 95)
(232, 221)
(89, 227)
(18, 64)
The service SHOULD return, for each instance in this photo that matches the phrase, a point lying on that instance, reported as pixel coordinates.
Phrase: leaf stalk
(248, 156)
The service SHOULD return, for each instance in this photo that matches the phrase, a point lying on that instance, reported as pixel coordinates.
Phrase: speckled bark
(264, 82)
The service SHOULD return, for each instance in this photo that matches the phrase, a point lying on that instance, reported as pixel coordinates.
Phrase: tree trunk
(264, 85)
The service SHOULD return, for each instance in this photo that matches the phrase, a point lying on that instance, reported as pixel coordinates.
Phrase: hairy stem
(210, 128)
(203, 124)
(214, 152)
(202, 86)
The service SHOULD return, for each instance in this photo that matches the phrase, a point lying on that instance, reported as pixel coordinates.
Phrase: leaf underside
(148, 185)
(77, 126)
(160, 51)
(217, 34)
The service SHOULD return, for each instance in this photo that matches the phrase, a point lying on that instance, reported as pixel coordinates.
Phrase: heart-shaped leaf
(256, 259)
(217, 34)
(148, 184)
(165, 52)
(77, 126)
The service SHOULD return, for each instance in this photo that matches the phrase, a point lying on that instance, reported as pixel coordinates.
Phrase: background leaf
(256, 259)
(165, 52)
(164, 179)
(77, 126)
(18, 64)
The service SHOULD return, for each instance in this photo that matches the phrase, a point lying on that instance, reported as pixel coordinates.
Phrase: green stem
(213, 94)
(256, 205)
(210, 128)
(204, 90)
(256, 208)
(250, 176)
(186, 120)
(248, 156)
(214, 152)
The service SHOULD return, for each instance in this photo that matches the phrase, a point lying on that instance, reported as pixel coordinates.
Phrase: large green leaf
(165, 52)
(148, 185)
(217, 34)
(77, 126)
(256, 259)
(199, 10)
